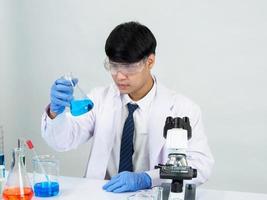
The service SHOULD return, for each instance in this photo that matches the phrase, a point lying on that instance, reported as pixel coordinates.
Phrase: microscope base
(190, 191)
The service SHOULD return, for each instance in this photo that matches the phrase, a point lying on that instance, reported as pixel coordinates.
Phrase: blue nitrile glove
(61, 94)
(128, 182)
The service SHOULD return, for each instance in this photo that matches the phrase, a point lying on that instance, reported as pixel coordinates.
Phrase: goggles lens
(125, 68)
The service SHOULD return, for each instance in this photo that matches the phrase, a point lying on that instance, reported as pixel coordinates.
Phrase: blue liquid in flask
(79, 107)
(46, 189)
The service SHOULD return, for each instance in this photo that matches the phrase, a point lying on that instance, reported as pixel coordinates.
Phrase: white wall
(10, 115)
(212, 51)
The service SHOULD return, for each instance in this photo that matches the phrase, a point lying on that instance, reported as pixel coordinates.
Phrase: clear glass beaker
(80, 104)
(18, 186)
(45, 175)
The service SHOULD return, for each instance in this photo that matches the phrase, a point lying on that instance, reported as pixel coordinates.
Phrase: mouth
(122, 86)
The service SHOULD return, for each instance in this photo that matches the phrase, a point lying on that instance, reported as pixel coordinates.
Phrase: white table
(82, 189)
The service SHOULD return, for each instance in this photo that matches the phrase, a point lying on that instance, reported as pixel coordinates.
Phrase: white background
(212, 51)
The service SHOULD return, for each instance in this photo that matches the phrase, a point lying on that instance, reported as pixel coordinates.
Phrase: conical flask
(18, 186)
(80, 104)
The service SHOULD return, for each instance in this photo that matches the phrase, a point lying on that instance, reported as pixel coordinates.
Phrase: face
(136, 84)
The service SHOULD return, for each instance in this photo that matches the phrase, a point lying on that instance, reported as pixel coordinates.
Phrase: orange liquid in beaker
(15, 193)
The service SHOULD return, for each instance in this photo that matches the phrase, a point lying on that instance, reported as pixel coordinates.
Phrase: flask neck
(18, 158)
(79, 93)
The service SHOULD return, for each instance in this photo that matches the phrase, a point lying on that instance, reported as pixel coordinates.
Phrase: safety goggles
(125, 68)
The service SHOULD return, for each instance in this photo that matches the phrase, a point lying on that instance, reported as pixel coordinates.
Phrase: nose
(120, 76)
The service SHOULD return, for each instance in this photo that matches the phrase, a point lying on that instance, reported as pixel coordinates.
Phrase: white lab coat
(66, 132)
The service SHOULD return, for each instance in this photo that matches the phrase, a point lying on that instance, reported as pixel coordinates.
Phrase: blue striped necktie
(127, 149)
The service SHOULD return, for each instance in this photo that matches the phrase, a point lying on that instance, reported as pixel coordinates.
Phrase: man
(127, 120)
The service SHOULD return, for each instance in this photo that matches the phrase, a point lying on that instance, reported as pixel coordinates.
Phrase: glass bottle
(80, 104)
(18, 186)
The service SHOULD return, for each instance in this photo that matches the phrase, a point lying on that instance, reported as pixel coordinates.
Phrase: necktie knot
(132, 107)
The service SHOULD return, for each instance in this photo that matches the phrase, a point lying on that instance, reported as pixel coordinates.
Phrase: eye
(127, 66)
(113, 65)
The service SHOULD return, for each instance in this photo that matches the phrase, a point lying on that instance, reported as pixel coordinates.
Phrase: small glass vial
(45, 175)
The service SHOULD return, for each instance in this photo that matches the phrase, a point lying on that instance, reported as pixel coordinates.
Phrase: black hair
(130, 42)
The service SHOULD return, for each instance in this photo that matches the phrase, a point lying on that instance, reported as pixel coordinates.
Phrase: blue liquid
(2, 163)
(79, 107)
(46, 189)
(2, 159)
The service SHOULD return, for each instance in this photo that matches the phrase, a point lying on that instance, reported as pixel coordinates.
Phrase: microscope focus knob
(194, 173)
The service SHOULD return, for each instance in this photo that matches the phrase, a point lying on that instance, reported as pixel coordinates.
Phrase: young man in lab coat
(127, 120)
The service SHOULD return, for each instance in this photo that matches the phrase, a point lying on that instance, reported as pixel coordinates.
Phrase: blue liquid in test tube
(2, 167)
(2, 159)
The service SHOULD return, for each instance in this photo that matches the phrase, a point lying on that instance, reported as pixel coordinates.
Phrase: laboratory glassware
(2, 178)
(2, 160)
(156, 193)
(2, 155)
(18, 186)
(80, 104)
(45, 175)
(141, 196)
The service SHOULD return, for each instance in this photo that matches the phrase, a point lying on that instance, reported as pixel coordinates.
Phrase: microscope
(177, 132)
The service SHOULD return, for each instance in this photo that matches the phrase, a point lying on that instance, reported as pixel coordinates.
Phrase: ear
(151, 60)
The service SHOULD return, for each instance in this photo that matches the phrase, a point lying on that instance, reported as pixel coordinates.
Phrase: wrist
(51, 114)
(147, 179)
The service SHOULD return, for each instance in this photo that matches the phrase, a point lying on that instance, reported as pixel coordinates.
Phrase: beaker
(45, 175)
(80, 104)
(18, 186)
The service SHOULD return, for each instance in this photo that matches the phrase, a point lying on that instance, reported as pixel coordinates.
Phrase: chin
(124, 92)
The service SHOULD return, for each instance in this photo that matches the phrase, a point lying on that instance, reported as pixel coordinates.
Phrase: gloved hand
(61, 94)
(128, 182)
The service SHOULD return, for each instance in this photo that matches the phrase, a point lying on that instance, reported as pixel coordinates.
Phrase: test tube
(2, 160)
(2, 156)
